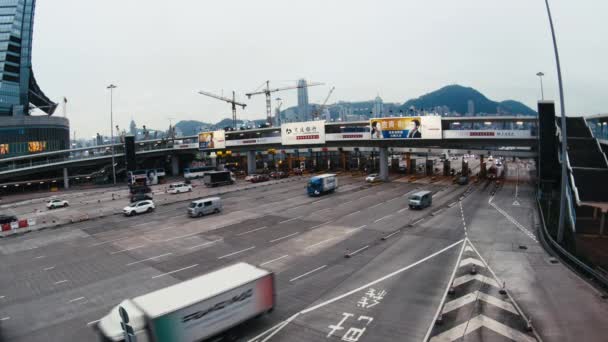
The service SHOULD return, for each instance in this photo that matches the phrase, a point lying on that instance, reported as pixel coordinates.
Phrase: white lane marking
(61, 282)
(472, 261)
(402, 210)
(237, 252)
(128, 249)
(390, 275)
(93, 322)
(181, 269)
(39, 257)
(354, 212)
(49, 268)
(273, 260)
(284, 237)
(158, 230)
(251, 231)
(474, 296)
(2, 297)
(75, 299)
(445, 292)
(422, 219)
(358, 250)
(5, 318)
(206, 244)
(477, 322)
(514, 221)
(103, 243)
(152, 258)
(274, 329)
(382, 218)
(320, 243)
(291, 219)
(468, 277)
(307, 273)
(360, 227)
(376, 205)
(322, 224)
(182, 236)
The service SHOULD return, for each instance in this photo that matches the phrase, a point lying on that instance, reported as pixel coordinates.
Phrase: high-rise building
(471, 107)
(20, 132)
(133, 128)
(303, 108)
(378, 108)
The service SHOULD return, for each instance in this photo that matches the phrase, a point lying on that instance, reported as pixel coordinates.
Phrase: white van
(177, 188)
(205, 206)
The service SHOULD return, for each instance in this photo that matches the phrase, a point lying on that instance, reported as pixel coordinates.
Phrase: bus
(142, 177)
(197, 172)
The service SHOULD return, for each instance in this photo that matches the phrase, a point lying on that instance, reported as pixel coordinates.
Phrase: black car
(7, 219)
(140, 196)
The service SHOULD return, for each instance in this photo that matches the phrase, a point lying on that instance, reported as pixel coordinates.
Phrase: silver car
(205, 206)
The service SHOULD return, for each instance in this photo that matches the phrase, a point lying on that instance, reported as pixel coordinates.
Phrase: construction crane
(269, 91)
(319, 110)
(231, 101)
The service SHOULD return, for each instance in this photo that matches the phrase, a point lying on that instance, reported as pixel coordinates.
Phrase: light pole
(542, 92)
(562, 200)
(111, 87)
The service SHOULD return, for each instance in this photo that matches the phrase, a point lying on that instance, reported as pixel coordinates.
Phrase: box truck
(193, 310)
(322, 184)
(216, 178)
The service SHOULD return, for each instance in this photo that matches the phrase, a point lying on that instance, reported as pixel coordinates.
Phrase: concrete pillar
(383, 160)
(251, 167)
(429, 167)
(602, 223)
(446, 167)
(174, 165)
(482, 167)
(66, 180)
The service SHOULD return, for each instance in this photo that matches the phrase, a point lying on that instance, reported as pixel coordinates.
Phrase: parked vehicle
(4, 219)
(139, 188)
(260, 178)
(140, 207)
(140, 197)
(57, 203)
(177, 188)
(371, 178)
(205, 206)
(322, 184)
(420, 200)
(297, 171)
(278, 174)
(463, 180)
(196, 309)
(197, 172)
(217, 178)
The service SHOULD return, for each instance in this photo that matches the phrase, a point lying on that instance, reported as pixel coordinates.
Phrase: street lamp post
(542, 92)
(111, 87)
(564, 180)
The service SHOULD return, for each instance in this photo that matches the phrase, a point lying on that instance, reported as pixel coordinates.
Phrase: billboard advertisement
(303, 133)
(414, 127)
(487, 134)
(36, 146)
(4, 149)
(212, 140)
(254, 141)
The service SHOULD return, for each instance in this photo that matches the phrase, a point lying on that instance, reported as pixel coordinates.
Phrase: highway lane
(92, 272)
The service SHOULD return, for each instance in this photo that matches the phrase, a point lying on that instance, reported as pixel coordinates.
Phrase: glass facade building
(21, 133)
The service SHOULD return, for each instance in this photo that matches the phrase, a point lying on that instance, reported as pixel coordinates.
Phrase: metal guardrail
(571, 260)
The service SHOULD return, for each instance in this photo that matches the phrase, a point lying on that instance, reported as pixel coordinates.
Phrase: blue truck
(322, 184)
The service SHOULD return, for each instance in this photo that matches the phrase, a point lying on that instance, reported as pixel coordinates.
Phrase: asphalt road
(63, 280)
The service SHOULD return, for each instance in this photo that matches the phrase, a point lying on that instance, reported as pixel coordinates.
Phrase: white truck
(195, 309)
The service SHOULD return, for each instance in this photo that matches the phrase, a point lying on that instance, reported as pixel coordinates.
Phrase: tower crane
(269, 91)
(231, 101)
(324, 104)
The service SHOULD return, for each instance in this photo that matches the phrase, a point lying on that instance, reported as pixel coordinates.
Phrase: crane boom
(225, 99)
(324, 104)
(269, 91)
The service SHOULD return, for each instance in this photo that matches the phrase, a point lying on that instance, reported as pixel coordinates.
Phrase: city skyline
(227, 56)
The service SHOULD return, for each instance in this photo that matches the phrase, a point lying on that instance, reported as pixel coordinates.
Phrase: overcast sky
(161, 52)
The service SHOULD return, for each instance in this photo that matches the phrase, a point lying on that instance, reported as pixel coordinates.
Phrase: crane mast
(232, 101)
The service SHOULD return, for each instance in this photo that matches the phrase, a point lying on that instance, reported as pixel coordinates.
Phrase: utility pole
(112, 87)
(542, 92)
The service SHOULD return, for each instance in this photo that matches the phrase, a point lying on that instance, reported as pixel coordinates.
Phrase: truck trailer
(322, 184)
(193, 310)
(217, 178)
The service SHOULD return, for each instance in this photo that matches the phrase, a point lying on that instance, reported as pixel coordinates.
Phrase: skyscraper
(20, 132)
(378, 107)
(18, 87)
(471, 108)
(303, 108)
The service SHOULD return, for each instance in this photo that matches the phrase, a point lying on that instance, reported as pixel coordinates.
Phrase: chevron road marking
(468, 249)
(471, 261)
(477, 295)
(478, 322)
(467, 277)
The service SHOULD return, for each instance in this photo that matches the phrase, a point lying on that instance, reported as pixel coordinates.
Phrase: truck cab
(322, 184)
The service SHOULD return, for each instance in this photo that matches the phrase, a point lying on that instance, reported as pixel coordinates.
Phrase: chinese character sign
(303, 133)
(426, 127)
